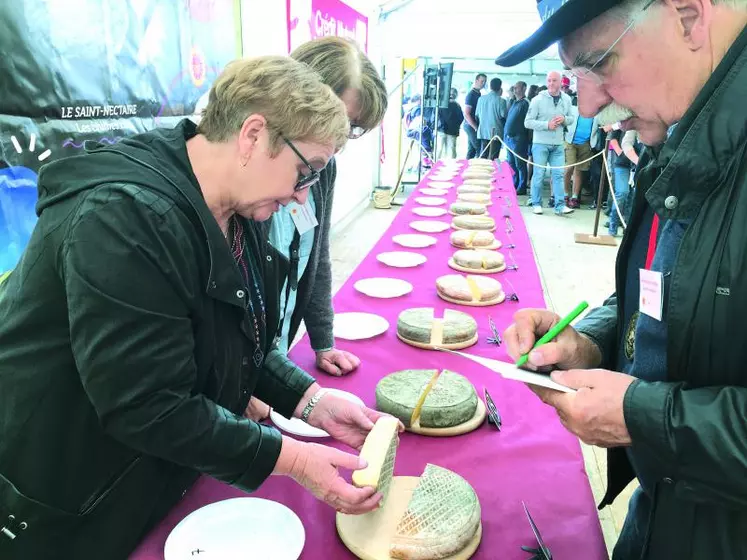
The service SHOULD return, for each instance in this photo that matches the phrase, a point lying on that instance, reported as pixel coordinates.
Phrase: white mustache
(613, 113)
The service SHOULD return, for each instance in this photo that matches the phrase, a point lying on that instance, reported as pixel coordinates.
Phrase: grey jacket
(491, 114)
(542, 110)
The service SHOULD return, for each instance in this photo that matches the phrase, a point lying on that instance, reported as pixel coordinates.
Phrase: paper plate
(428, 211)
(384, 288)
(441, 184)
(237, 527)
(298, 427)
(430, 201)
(401, 259)
(414, 240)
(359, 326)
(434, 192)
(429, 226)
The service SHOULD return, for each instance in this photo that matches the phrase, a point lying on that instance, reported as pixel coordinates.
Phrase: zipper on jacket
(96, 499)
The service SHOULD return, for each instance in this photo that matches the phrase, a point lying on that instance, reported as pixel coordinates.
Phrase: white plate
(236, 528)
(434, 192)
(401, 259)
(428, 211)
(429, 226)
(298, 427)
(414, 240)
(440, 184)
(430, 201)
(384, 288)
(359, 326)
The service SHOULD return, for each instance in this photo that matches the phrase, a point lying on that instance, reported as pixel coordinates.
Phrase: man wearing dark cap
(659, 368)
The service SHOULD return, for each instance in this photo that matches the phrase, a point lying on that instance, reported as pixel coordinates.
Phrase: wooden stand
(500, 299)
(369, 536)
(455, 266)
(594, 239)
(455, 346)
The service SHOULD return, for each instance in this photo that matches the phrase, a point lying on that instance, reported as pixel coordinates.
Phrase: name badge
(651, 294)
(303, 217)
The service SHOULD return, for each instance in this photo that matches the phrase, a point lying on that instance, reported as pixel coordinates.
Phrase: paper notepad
(510, 371)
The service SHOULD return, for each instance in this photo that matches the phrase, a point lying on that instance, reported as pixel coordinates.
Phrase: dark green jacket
(125, 356)
(692, 429)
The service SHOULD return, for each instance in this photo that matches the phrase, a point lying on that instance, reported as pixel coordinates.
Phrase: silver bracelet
(311, 404)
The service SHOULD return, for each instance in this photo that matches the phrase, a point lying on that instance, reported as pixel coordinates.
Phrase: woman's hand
(256, 410)
(337, 362)
(315, 467)
(345, 421)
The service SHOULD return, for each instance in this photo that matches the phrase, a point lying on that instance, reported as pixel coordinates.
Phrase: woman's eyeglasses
(356, 131)
(304, 181)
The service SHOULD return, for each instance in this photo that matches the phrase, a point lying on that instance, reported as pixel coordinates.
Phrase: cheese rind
(469, 239)
(469, 288)
(474, 222)
(479, 259)
(468, 208)
(476, 198)
(452, 400)
(416, 325)
(441, 518)
(379, 450)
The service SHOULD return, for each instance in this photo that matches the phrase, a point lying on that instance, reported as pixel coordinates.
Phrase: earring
(244, 161)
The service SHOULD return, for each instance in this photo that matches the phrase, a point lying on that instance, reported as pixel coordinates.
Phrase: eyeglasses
(588, 74)
(356, 131)
(304, 181)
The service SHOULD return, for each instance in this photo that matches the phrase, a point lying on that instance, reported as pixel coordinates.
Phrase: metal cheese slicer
(541, 552)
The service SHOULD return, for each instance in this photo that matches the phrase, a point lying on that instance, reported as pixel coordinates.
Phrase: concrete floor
(587, 273)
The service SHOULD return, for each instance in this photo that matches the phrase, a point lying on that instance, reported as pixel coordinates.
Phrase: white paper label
(651, 298)
(302, 216)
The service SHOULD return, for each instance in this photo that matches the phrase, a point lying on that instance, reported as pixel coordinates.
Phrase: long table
(532, 459)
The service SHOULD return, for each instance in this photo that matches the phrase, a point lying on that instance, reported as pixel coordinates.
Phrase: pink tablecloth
(532, 459)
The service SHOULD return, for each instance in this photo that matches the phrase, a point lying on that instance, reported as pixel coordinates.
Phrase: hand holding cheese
(345, 421)
(315, 467)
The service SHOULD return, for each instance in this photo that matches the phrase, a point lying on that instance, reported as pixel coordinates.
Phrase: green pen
(555, 331)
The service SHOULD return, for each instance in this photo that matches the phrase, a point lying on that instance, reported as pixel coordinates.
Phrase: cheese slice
(471, 238)
(441, 518)
(415, 419)
(474, 289)
(379, 450)
(437, 332)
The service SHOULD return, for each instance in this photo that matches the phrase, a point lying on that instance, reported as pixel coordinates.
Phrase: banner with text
(310, 19)
(78, 70)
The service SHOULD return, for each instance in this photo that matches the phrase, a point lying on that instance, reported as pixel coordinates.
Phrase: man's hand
(315, 467)
(337, 362)
(345, 421)
(256, 410)
(594, 412)
(569, 350)
(556, 122)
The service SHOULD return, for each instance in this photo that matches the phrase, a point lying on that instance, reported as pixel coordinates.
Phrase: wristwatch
(311, 404)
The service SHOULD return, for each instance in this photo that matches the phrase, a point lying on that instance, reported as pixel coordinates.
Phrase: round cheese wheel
(477, 174)
(479, 259)
(470, 289)
(479, 183)
(476, 189)
(452, 400)
(477, 198)
(417, 325)
(474, 223)
(464, 208)
(466, 239)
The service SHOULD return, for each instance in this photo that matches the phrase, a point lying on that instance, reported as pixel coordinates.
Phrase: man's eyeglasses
(304, 181)
(356, 131)
(588, 74)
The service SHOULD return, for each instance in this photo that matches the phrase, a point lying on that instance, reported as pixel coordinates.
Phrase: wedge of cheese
(379, 450)
(441, 518)
(415, 418)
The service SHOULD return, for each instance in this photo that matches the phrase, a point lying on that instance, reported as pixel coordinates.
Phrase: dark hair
(481, 75)
(533, 91)
(495, 84)
(543, 88)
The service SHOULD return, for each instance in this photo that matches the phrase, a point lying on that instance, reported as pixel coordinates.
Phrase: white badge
(302, 216)
(651, 294)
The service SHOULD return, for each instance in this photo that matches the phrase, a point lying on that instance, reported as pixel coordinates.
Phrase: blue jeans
(621, 177)
(547, 154)
(473, 144)
(521, 147)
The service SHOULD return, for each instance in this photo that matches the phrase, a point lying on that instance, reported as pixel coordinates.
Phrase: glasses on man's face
(584, 73)
(356, 131)
(304, 181)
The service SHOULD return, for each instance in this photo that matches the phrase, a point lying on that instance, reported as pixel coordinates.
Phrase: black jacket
(450, 119)
(692, 428)
(125, 355)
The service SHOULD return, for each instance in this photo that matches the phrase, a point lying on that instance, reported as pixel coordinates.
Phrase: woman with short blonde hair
(134, 330)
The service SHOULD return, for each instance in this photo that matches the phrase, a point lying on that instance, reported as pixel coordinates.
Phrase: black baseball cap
(559, 18)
